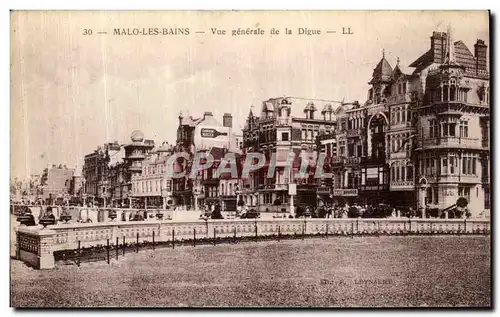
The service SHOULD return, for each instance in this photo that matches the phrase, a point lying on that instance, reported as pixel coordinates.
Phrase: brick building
(275, 132)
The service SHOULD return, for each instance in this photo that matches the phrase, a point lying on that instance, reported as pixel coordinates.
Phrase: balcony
(133, 168)
(453, 178)
(284, 121)
(326, 136)
(351, 133)
(402, 98)
(402, 185)
(347, 192)
(352, 160)
(136, 156)
(401, 125)
(337, 160)
(452, 142)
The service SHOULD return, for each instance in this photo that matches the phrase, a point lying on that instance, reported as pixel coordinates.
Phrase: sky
(72, 92)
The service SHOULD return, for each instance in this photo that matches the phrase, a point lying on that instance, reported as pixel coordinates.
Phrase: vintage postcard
(250, 159)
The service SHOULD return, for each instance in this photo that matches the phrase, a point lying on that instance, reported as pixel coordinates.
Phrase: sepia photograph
(270, 159)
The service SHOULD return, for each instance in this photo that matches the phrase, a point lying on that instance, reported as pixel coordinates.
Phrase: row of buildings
(57, 184)
(421, 139)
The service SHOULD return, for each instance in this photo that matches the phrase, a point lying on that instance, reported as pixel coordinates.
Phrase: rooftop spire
(397, 61)
(383, 53)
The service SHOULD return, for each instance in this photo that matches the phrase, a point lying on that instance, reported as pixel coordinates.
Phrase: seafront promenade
(36, 245)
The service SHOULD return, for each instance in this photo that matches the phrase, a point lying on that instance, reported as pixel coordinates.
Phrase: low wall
(36, 246)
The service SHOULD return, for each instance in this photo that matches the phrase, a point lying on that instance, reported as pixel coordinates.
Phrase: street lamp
(239, 201)
(423, 195)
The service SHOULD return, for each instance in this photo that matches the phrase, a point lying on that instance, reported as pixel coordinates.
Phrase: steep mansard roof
(382, 72)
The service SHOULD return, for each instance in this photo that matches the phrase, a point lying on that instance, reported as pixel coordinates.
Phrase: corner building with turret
(452, 147)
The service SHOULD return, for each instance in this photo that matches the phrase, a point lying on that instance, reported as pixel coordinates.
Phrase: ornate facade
(277, 133)
(421, 139)
(453, 144)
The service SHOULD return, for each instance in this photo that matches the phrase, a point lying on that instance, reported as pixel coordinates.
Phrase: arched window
(230, 189)
(222, 189)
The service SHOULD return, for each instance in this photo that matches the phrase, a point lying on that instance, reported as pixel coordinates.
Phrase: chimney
(438, 46)
(207, 114)
(227, 120)
(480, 55)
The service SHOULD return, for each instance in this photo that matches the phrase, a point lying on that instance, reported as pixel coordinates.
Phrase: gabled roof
(310, 107)
(327, 108)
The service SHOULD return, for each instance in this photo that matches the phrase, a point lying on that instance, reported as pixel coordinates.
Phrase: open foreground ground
(338, 271)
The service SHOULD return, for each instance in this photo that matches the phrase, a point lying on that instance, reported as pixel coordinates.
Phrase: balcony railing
(136, 155)
(283, 121)
(337, 160)
(401, 125)
(354, 133)
(450, 141)
(352, 160)
(408, 185)
(400, 98)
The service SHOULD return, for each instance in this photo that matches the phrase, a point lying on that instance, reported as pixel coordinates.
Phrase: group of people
(353, 211)
(211, 210)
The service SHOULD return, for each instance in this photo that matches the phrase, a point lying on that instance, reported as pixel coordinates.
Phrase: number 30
(87, 31)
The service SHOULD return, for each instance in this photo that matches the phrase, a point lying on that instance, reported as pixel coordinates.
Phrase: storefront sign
(211, 133)
(345, 192)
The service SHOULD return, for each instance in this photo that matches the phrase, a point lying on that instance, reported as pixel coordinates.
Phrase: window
(449, 128)
(452, 128)
(464, 129)
(469, 164)
(310, 134)
(464, 191)
(436, 195)
(452, 164)
(444, 170)
(433, 128)
(284, 136)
